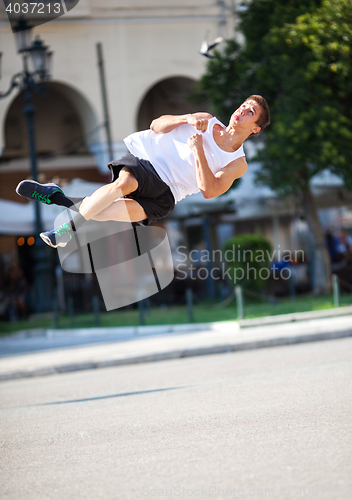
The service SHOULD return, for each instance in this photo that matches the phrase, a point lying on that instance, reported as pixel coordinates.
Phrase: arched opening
(168, 97)
(64, 124)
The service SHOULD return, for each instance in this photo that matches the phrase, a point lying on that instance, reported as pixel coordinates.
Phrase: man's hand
(199, 122)
(212, 185)
(167, 123)
(195, 142)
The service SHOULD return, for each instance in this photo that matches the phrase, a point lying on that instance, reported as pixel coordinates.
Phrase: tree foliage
(298, 54)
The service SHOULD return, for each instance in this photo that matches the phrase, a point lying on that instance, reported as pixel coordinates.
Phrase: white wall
(144, 41)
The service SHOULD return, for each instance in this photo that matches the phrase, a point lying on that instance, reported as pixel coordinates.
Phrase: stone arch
(169, 96)
(65, 123)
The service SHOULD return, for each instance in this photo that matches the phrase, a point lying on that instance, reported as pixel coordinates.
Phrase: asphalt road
(268, 423)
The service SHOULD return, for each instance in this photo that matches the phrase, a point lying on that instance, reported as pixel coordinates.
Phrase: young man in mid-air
(166, 163)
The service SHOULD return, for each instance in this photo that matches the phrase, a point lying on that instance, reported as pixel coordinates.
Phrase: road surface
(268, 423)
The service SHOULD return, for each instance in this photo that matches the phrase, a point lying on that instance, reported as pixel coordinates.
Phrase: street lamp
(23, 35)
(30, 81)
(41, 58)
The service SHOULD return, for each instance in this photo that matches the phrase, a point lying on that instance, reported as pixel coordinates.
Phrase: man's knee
(126, 181)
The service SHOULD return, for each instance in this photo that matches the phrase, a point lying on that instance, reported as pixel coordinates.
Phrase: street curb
(136, 331)
(133, 331)
(302, 316)
(178, 354)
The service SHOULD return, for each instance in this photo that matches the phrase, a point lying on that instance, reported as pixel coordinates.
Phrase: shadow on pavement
(108, 397)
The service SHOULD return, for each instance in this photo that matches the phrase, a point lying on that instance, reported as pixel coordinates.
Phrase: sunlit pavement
(59, 351)
(264, 423)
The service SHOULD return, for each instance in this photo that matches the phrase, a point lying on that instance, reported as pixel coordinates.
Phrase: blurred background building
(151, 57)
(150, 51)
(151, 61)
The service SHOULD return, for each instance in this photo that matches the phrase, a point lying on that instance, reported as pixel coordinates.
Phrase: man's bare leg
(126, 210)
(102, 198)
(98, 203)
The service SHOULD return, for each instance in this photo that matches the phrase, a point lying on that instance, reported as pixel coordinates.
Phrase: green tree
(297, 54)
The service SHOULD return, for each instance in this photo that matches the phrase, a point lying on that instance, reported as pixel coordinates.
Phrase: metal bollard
(141, 312)
(292, 285)
(189, 303)
(146, 304)
(71, 312)
(239, 302)
(56, 313)
(335, 289)
(95, 303)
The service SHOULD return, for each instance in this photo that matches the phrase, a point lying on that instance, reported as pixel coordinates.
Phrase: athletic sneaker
(58, 237)
(35, 191)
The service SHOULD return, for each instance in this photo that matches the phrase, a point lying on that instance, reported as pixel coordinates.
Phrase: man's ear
(256, 130)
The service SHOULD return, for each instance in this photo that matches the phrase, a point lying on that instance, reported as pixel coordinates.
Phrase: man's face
(245, 118)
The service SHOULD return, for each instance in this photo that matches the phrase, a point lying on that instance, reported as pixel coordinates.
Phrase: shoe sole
(35, 184)
(48, 241)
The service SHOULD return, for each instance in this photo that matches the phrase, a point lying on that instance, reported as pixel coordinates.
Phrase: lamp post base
(43, 278)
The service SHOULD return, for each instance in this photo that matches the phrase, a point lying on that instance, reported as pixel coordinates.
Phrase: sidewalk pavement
(47, 352)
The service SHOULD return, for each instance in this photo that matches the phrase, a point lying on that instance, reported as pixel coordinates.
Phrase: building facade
(151, 58)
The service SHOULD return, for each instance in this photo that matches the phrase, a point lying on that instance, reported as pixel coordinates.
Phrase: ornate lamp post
(37, 55)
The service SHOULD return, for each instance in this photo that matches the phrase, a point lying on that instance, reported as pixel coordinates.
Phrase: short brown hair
(264, 117)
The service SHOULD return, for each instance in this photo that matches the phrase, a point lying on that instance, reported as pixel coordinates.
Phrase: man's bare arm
(209, 184)
(166, 123)
(227, 175)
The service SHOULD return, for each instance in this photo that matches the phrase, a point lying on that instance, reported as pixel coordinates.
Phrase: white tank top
(173, 159)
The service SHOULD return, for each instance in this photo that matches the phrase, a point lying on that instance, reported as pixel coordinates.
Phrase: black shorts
(154, 196)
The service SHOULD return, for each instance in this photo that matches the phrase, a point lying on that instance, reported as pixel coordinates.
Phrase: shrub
(248, 260)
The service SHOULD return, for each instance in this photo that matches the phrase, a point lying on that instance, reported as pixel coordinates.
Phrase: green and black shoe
(58, 237)
(33, 190)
